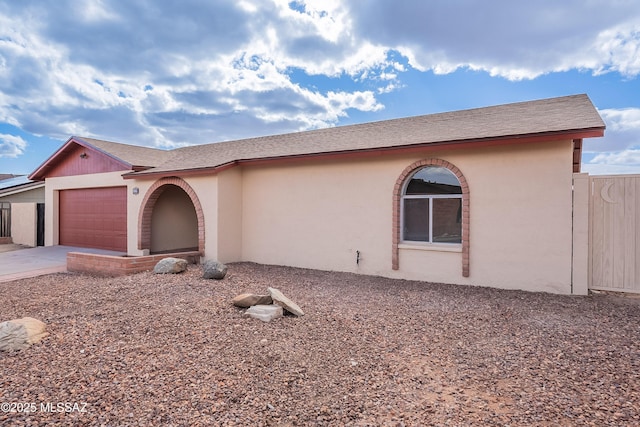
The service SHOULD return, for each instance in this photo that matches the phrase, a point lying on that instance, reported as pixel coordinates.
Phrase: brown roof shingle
(548, 116)
(569, 115)
(134, 155)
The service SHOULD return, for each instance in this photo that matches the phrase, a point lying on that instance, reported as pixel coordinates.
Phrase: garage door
(94, 218)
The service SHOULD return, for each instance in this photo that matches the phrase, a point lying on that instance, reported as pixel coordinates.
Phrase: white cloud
(620, 49)
(170, 73)
(122, 72)
(621, 158)
(11, 146)
(619, 151)
(614, 164)
(515, 40)
(621, 120)
(622, 133)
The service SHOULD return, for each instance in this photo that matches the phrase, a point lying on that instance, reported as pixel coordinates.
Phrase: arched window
(431, 207)
(454, 190)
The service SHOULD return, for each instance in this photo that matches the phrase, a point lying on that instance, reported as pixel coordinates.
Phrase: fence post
(580, 231)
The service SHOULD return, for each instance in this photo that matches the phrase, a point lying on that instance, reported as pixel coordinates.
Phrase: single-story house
(21, 210)
(477, 197)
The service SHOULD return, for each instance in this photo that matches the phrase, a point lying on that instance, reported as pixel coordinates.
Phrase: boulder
(264, 312)
(19, 334)
(214, 270)
(247, 300)
(170, 266)
(279, 299)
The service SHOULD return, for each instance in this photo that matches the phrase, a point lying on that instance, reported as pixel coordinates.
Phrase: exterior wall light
(135, 191)
(84, 155)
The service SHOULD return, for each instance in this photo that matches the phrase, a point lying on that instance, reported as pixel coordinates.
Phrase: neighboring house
(21, 210)
(478, 197)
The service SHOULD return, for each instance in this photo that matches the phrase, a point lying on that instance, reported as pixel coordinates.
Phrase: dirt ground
(171, 350)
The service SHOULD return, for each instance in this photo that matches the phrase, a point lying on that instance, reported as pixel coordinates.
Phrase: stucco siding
(206, 187)
(174, 221)
(23, 223)
(521, 217)
(229, 207)
(318, 214)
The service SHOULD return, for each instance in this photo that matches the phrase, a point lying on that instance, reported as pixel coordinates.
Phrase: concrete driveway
(18, 262)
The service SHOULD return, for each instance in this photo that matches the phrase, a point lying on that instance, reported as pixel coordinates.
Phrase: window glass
(447, 220)
(433, 180)
(416, 220)
(432, 207)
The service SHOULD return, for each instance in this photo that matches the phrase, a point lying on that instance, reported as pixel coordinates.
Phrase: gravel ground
(171, 350)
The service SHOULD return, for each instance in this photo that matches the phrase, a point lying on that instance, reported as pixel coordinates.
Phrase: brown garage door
(94, 218)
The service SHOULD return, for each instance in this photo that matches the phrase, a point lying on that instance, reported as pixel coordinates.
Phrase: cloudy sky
(168, 73)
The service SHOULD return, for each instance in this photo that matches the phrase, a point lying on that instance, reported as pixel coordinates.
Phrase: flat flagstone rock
(247, 300)
(266, 313)
(170, 265)
(279, 299)
(18, 334)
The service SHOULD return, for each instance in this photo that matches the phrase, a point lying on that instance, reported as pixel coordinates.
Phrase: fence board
(614, 243)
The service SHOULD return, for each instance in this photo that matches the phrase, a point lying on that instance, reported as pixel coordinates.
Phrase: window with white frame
(432, 207)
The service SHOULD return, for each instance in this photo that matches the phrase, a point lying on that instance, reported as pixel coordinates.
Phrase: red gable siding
(75, 162)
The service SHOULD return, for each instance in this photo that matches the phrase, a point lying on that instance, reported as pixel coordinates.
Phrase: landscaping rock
(19, 334)
(170, 266)
(247, 300)
(264, 312)
(214, 270)
(279, 298)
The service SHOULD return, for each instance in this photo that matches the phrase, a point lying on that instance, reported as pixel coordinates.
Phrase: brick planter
(110, 265)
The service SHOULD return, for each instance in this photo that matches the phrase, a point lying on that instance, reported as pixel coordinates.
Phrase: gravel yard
(172, 350)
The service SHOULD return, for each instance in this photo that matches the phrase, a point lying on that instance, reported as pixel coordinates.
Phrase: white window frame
(430, 213)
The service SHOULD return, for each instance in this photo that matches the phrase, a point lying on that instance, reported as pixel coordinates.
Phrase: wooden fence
(614, 233)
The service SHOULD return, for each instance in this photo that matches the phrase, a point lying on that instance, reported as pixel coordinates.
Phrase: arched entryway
(171, 218)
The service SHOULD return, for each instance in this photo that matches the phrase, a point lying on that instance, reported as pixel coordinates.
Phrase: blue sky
(172, 73)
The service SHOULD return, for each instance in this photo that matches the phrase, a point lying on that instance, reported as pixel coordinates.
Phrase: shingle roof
(571, 116)
(548, 116)
(134, 155)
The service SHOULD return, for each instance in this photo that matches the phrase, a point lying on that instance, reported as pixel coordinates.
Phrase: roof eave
(179, 172)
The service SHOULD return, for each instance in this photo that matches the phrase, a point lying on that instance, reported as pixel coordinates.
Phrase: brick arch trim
(397, 198)
(149, 201)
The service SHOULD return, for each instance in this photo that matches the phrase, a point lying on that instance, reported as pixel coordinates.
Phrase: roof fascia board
(184, 172)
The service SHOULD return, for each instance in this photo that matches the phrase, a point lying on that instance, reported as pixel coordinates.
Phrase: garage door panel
(94, 217)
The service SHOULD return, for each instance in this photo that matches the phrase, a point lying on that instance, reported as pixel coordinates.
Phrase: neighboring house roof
(4, 176)
(17, 184)
(569, 117)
